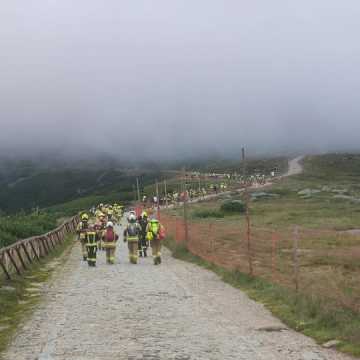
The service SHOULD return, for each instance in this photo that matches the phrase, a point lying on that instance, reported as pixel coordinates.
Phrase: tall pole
(185, 207)
(247, 199)
(138, 189)
(166, 195)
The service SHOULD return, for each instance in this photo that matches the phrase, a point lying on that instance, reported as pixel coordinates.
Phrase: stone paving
(174, 311)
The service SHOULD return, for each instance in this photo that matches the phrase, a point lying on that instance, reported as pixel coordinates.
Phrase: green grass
(17, 305)
(320, 211)
(23, 225)
(318, 318)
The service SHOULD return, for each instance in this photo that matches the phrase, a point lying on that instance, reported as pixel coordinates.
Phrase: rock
(33, 289)
(347, 197)
(352, 232)
(308, 192)
(340, 191)
(263, 195)
(272, 328)
(331, 344)
(35, 284)
(22, 302)
(4, 327)
(7, 288)
(326, 188)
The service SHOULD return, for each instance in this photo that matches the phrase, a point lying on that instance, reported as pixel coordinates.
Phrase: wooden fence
(16, 258)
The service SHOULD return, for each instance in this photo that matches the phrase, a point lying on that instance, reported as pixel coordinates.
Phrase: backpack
(109, 235)
(155, 229)
(133, 230)
(162, 233)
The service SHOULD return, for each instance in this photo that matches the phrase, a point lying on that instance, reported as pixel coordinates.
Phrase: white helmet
(132, 217)
(110, 224)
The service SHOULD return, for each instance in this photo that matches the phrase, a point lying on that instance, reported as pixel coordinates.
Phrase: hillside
(26, 185)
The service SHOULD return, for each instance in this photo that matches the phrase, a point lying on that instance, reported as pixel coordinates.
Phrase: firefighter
(132, 236)
(101, 227)
(109, 239)
(117, 212)
(155, 233)
(81, 230)
(91, 245)
(143, 243)
(110, 214)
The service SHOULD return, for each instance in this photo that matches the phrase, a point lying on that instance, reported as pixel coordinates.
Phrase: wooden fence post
(20, 258)
(4, 267)
(13, 262)
(26, 253)
(296, 257)
(273, 255)
(34, 251)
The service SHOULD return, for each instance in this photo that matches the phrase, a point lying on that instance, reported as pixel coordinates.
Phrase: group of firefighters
(99, 235)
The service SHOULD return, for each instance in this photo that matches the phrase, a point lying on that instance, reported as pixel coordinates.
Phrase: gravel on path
(173, 311)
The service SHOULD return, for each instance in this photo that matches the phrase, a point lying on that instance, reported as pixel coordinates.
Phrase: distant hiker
(143, 243)
(109, 239)
(132, 236)
(81, 230)
(155, 233)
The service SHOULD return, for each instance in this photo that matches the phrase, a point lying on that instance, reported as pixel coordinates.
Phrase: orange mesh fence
(323, 263)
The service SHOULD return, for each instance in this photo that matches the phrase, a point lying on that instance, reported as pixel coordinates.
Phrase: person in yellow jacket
(81, 230)
(155, 234)
(131, 236)
(91, 240)
(109, 238)
(110, 214)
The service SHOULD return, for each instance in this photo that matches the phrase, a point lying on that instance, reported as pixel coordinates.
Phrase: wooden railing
(16, 258)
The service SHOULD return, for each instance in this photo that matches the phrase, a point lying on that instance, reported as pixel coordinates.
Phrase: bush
(208, 213)
(23, 225)
(233, 206)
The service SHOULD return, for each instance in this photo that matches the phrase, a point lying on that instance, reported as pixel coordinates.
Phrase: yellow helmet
(144, 214)
(84, 217)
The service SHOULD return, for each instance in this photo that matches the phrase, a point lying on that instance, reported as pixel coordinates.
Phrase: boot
(145, 253)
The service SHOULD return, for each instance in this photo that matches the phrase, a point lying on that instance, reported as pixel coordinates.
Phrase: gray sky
(165, 78)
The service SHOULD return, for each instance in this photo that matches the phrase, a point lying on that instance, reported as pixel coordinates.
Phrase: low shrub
(208, 213)
(233, 206)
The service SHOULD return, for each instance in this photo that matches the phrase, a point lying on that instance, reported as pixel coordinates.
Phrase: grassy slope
(320, 211)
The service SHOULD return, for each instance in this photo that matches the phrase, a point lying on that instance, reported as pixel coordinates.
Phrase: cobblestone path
(173, 311)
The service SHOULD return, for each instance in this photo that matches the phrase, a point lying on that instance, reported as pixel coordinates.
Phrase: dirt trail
(295, 166)
(173, 311)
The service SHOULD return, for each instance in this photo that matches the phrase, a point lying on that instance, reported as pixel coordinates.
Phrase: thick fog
(156, 79)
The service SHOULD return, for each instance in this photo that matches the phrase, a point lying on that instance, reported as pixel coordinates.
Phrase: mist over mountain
(137, 80)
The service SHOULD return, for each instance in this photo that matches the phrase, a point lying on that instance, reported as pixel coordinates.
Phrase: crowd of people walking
(96, 233)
